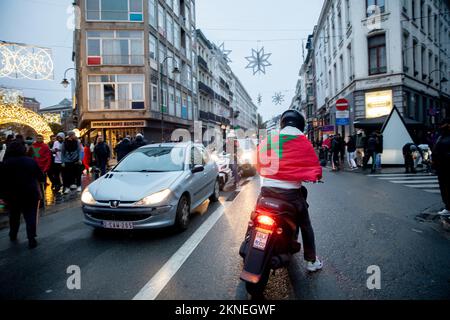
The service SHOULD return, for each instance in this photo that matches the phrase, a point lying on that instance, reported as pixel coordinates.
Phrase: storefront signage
(328, 130)
(118, 124)
(378, 103)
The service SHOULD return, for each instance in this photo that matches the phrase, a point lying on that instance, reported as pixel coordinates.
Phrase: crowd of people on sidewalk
(26, 164)
(357, 150)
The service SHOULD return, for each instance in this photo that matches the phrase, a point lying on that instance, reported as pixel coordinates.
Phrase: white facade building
(383, 53)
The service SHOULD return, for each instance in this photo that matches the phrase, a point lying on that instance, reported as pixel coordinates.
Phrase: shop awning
(378, 122)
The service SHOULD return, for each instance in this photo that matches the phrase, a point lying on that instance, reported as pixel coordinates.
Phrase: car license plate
(118, 225)
(260, 240)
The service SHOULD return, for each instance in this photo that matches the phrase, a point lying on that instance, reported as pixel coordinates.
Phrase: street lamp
(65, 82)
(175, 72)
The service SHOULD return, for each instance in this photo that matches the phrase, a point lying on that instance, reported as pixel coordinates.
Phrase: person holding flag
(285, 160)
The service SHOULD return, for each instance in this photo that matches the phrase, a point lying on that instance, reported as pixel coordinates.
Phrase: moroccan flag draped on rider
(288, 158)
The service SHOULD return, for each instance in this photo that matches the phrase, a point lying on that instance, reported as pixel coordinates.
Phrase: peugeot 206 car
(155, 186)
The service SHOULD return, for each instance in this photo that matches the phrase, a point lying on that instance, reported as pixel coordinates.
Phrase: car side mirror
(198, 168)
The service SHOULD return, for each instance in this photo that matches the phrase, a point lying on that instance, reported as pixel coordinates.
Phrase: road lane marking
(427, 186)
(432, 190)
(408, 178)
(415, 182)
(157, 283)
(399, 174)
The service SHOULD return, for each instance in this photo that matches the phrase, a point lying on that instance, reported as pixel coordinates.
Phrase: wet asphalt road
(359, 221)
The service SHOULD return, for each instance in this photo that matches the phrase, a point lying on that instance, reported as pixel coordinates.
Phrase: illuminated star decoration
(259, 99)
(278, 98)
(258, 61)
(223, 53)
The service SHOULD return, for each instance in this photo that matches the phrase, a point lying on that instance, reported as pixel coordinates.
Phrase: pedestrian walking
(370, 153)
(43, 157)
(138, 142)
(56, 168)
(361, 144)
(71, 163)
(102, 154)
(335, 152)
(19, 187)
(441, 163)
(87, 158)
(123, 148)
(351, 152)
(379, 149)
(408, 151)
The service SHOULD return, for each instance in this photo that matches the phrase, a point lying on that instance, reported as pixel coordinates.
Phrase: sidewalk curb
(4, 220)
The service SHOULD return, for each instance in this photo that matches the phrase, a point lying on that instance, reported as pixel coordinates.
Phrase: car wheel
(216, 193)
(183, 214)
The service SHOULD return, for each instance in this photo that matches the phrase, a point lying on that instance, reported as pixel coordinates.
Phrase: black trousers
(444, 185)
(72, 174)
(296, 198)
(29, 210)
(409, 163)
(54, 174)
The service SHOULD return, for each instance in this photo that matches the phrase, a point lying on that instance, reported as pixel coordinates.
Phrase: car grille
(120, 217)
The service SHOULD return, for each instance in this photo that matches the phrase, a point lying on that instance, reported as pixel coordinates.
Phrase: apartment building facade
(224, 103)
(136, 68)
(378, 54)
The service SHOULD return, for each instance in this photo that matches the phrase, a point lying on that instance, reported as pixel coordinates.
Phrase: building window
(117, 10)
(375, 6)
(414, 48)
(177, 35)
(405, 52)
(153, 49)
(161, 20)
(154, 95)
(377, 54)
(171, 100)
(178, 101)
(169, 20)
(152, 8)
(115, 47)
(116, 92)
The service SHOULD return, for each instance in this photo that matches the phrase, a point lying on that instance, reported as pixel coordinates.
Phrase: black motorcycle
(270, 242)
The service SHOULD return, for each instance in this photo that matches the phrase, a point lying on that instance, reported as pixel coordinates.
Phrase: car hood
(131, 186)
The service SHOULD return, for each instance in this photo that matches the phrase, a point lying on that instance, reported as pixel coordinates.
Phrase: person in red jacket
(285, 160)
(42, 154)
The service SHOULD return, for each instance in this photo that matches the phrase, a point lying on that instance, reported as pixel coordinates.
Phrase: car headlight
(87, 198)
(154, 199)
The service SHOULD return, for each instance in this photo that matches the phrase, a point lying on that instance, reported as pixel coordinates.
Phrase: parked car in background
(155, 186)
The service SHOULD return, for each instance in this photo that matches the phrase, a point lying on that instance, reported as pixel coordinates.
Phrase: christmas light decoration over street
(258, 61)
(224, 53)
(278, 98)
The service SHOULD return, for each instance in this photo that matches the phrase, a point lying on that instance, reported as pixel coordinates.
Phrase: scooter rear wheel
(256, 290)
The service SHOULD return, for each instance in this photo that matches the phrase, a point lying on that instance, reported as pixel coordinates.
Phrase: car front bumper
(141, 218)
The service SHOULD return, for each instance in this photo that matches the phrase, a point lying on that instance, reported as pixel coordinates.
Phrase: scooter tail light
(279, 231)
(265, 221)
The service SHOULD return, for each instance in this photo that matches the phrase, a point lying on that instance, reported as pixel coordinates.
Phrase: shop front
(113, 131)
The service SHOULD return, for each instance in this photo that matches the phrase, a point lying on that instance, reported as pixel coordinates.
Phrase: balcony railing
(204, 88)
(209, 116)
(202, 62)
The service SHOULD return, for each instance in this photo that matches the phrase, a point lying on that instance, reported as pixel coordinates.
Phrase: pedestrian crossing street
(424, 181)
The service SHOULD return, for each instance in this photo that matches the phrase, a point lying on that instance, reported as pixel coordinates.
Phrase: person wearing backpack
(102, 154)
(441, 163)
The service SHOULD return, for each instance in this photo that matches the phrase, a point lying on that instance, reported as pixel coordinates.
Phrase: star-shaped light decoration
(223, 53)
(278, 98)
(258, 61)
(259, 99)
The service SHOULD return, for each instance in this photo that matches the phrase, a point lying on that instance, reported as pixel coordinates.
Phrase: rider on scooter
(285, 160)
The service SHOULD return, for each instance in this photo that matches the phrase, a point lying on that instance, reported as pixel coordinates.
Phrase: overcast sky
(279, 26)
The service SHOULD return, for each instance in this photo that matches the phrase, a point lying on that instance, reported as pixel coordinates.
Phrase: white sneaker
(73, 187)
(314, 266)
(79, 189)
(444, 213)
(66, 190)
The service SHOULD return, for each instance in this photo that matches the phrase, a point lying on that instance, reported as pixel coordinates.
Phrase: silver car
(155, 186)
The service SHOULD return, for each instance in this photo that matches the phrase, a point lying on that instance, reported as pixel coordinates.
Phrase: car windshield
(153, 159)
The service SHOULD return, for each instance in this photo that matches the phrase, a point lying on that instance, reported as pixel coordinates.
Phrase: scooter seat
(275, 205)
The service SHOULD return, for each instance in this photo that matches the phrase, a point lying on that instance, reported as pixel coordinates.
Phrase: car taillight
(265, 221)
